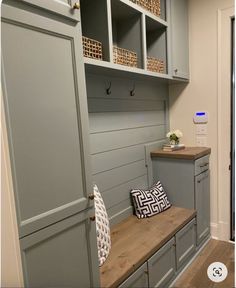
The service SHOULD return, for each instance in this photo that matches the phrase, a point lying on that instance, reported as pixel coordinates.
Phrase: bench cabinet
(186, 182)
(139, 279)
(162, 267)
(185, 244)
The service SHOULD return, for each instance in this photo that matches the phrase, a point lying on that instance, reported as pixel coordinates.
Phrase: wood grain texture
(135, 240)
(189, 153)
(196, 275)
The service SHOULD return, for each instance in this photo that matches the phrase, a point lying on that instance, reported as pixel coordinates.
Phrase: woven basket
(92, 48)
(154, 6)
(155, 65)
(125, 57)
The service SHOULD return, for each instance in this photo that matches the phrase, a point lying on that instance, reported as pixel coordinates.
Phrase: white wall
(202, 92)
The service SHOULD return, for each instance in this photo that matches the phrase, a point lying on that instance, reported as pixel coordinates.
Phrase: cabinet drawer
(201, 165)
(139, 279)
(185, 243)
(161, 266)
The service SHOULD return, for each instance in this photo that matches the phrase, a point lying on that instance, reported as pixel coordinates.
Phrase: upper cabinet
(136, 38)
(130, 38)
(179, 39)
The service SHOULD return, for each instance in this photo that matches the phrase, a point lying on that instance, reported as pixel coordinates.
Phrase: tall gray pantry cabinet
(47, 120)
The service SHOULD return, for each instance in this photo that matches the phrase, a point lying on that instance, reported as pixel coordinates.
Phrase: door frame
(223, 102)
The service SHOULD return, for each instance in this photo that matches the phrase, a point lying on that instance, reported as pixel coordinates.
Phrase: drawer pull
(92, 218)
(76, 5)
(91, 196)
(203, 165)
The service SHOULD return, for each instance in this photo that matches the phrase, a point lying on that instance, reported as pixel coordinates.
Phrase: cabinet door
(185, 244)
(46, 113)
(139, 279)
(57, 7)
(179, 38)
(202, 200)
(59, 255)
(161, 266)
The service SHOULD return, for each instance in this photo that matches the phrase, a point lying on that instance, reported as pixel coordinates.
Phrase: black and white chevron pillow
(150, 202)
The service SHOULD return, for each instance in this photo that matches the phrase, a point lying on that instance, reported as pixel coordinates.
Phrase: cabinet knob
(91, 196)
(92, 218)
(176, 70)
(76, 5)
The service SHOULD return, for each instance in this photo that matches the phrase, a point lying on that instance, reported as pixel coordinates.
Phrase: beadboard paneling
(120, 127)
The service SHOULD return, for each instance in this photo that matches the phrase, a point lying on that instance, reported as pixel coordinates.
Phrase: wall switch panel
(201, 141)
(201, 129)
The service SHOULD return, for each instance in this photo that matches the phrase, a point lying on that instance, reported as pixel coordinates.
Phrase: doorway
(232, 153)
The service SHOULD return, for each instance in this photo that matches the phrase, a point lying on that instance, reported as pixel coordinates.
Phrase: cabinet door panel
(62, 8)
(46, 113)
(161, 266)
(185, 244)
(202, 200)
(59, 256)
(139, 279)
(179, 37)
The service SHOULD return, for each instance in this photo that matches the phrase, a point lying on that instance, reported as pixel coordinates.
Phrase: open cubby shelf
(124, 24)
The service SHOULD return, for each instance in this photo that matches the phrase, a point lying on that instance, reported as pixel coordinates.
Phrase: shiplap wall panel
(120, 211)
(120, 127)
(114, 177)
(106, 141)
(120, 88)
(115, 105)
(101, 122)
(121, 193)
(111, 159)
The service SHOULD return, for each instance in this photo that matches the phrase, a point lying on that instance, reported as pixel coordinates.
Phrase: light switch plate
(201, 141)
(201, 129)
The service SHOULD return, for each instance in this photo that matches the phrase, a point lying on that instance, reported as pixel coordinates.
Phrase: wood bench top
(135, 240)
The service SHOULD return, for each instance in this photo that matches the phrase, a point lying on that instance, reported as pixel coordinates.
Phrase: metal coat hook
(108, 90)
(132, 92)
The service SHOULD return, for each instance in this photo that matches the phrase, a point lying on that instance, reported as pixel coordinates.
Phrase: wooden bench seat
(135, 240)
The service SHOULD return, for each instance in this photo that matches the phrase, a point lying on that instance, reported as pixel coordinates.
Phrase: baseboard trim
(214, 230)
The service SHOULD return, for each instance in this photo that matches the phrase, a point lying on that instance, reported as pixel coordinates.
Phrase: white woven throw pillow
(102, 227)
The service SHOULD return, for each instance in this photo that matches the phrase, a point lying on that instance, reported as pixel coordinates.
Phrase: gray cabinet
(185, 244)
(187, 185)
(179, 38)
(47, 121)
(202, 200)
(161, 266)
(139, 279)
(59, 255)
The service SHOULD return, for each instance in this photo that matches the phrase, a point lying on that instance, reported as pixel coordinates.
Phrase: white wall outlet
(201, 129)
(201, 141)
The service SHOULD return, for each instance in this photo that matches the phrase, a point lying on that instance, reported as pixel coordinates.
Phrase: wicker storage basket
(154, 6)
(92, 48)
(155, 65)
(125, 57)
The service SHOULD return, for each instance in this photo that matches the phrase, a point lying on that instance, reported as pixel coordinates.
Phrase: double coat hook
(108, 90)
(132, 92)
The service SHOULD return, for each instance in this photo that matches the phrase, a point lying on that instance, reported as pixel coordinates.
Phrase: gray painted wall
(120, 127)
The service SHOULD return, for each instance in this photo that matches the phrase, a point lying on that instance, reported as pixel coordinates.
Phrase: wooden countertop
(189, 153)
(134, 240)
